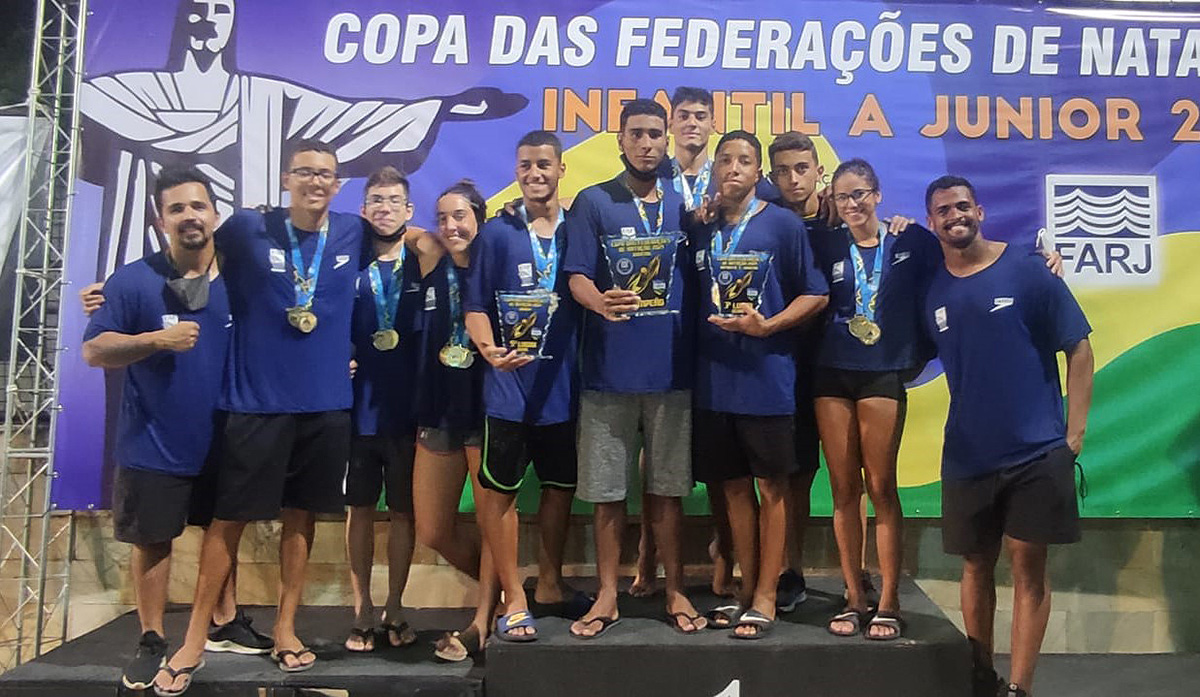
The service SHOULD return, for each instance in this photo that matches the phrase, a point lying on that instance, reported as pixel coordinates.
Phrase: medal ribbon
(306, 284)
(866, 288)
(387, 297)
(458, 324)
(641, 209)
(545, 261)
(694, 197)
(715, 249)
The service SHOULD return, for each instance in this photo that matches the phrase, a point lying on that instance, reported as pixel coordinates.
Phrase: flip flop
(698, 622)
(753, 618)
(468, 639)
(368, 639)
(399, 629)
(521, 618)
(854, 617)
(605, 623)
(280, 658)
(884, 618)
(189, 672)
(723, 616)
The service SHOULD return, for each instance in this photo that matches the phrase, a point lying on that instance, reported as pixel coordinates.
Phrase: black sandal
(753, 618)
(368, 640)
(280, 658)
(698, 622)
(189, 672)
(723, 616)
(400, 629)
(889, 619)
(469, 639)
(854, 617)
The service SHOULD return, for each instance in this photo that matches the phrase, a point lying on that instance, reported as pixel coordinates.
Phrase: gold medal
(385, 339)
(302, 318)
(864, 330)
(454, 356)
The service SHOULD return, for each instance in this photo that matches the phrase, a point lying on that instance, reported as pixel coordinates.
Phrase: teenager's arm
(116, 350)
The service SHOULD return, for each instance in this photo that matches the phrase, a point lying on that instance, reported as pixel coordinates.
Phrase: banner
(1082, 123)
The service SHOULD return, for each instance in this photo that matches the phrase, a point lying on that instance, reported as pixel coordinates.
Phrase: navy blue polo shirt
(910, 261)
(168, 400)
(997, 333)
(643, 354)
(273, 367)
(742, 374)
(385, 384)
(544, 391)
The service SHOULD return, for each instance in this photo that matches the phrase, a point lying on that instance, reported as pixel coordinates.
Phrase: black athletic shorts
(1031, 502)
(859, 384)
(381, 463)
(509, 447)
(731, 446)
(273, 461)
(153, 507)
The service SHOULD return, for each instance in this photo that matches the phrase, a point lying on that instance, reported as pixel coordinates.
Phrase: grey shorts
(609, 425)
(443, 440)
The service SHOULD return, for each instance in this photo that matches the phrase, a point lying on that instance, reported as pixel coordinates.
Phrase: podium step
(643, 657)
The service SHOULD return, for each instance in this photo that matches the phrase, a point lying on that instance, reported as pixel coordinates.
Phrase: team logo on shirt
(430, 300)
(1000, 304)
(1105, 226)
(900, 256)
(278, 263)
(628, 231)
(341, 260)
(939, 318)
(169, 321)
(525, 272)
(839, 271)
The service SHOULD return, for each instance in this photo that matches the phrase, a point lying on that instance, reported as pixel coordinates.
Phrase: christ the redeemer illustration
(236, 127)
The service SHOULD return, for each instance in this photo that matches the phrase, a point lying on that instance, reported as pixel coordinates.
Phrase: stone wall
(1130, 586)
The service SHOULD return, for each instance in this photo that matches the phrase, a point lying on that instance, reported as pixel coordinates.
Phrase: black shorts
(731, 446)
(273, 461)
(859, 384)
(509, 447)
(1032, 502)
(381, 463)
(153, 507)
(808, 439)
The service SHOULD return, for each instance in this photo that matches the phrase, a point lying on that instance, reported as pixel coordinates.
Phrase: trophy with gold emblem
(525, 320)
(737, 280)
(646, 266)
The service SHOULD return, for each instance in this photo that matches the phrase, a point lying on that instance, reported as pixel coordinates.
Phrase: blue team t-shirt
(742, 374)
(643, 354)
(447, 398)
(997, 333)
(273, 367)
(385, 384)
(544, 391)
(910, 261)
(169, 399)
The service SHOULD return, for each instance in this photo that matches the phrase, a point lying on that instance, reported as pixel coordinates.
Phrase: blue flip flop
(513, 620)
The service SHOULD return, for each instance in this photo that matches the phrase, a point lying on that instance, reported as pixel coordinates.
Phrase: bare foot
(723, 585)
(183, 658)
(684, 615)
(605, 607)
(644, 585)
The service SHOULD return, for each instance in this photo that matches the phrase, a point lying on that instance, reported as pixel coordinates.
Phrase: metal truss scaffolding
(35, 541)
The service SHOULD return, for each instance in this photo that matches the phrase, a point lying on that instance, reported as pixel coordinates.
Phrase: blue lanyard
(387, 298)
(662, 206)
(866, 288)
(545, 260)
(458, 324)
(306, 284)
(715, 249)
(694, 197)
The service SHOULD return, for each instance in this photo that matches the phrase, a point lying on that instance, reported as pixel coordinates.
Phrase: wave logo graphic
(1105, 226)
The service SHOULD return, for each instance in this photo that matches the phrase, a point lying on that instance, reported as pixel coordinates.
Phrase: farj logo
(1105, 227)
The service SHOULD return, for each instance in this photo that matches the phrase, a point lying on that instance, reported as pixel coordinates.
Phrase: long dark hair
(466, 189)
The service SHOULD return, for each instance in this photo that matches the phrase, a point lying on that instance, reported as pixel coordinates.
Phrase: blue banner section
(1080, 127)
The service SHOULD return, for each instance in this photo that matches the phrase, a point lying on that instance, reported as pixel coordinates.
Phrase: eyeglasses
(858, 196)
(304, 174)
(393, 202)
